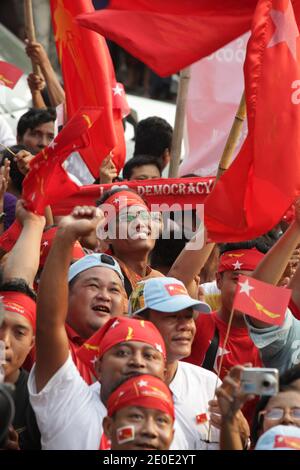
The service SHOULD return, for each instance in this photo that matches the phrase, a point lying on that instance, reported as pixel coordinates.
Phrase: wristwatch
(2, 217)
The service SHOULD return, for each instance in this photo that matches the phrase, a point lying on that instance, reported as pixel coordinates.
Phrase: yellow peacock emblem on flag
(264, 310)
(5, 80)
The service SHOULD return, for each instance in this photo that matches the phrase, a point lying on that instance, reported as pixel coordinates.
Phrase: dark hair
(285, 383)
(15, 175)
(166, 251)
(33, 118)
(140, 160)
(262, 244)
(153, 137)
(18, 285)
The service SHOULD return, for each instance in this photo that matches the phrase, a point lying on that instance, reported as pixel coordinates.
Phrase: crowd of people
(127, 343)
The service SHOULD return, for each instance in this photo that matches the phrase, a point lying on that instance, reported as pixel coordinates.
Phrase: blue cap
(165, 294)
(280, 438)
(92, 261)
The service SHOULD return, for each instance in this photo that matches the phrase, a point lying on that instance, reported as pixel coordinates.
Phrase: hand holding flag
(260, 300)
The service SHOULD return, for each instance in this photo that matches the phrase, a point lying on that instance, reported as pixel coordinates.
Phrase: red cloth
(47, 182)
(89, 80)
(294, 309)
(161, 191)
(46, 244)
(245, 260)
(261, 184)
(146, 391)
(118, 330)
(20, 303)
(9, 74)
(75, 343)
(168, 36)
(260, 300)
(240, 349)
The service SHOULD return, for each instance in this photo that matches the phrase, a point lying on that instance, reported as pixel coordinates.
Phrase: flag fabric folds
(47, 182)
(261, 184)
(168, 35)
(260, 300)
(89, 80)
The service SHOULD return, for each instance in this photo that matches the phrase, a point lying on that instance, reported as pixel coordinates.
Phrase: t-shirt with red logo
(239, 349)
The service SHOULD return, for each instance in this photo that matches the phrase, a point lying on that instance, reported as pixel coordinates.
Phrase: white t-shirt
(69, 412)
(192, 388)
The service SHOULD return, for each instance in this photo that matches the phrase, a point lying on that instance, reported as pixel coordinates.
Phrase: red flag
(260, 300)
(89, 80)
(9, 74)
(47, 182)
(287, 442)
(125, 434)
(264, 180)
(169, 37)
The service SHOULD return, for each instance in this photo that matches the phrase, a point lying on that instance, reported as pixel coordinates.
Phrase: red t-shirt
(239, 349)
(75, 342)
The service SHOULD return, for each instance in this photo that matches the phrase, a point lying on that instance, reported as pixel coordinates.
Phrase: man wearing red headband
(131, 234)
(69, 412)
(140, 415)
(122, 348)
(240, 348)
(17, 330)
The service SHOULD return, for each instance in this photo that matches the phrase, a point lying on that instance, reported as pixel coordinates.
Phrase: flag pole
(221, 363)
(233, 137)
(30, 30)
(179, 121)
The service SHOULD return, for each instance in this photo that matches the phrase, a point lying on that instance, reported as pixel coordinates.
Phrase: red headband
(118, 330)
(20, 303)
(146, 391)
(120, 201)
(243, 260)
(46, 243)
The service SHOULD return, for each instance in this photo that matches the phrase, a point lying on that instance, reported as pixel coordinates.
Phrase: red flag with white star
(264, 180)
(47, 182)
(9, 74)
(260, 300)
(89, 80)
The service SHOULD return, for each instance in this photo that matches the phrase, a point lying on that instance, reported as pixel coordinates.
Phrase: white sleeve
(66, 410)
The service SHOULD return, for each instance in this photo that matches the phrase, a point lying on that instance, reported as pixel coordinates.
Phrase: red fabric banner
(264, 180)
(89, 80)
(160, 191)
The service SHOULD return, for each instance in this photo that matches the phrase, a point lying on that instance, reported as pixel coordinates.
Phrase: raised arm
(52, 347)
(192, 259)
(38, 54)
(23, 260)
(274, 263)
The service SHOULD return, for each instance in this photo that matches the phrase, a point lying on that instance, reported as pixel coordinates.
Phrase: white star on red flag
(117, 90)
(286, 29)
(245, 287)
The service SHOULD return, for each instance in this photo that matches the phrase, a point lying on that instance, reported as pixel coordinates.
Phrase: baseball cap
(92, 261)
(165, 294)
(280, 438)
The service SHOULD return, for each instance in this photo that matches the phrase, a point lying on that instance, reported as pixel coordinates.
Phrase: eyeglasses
(278, 413)
(144, 215)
